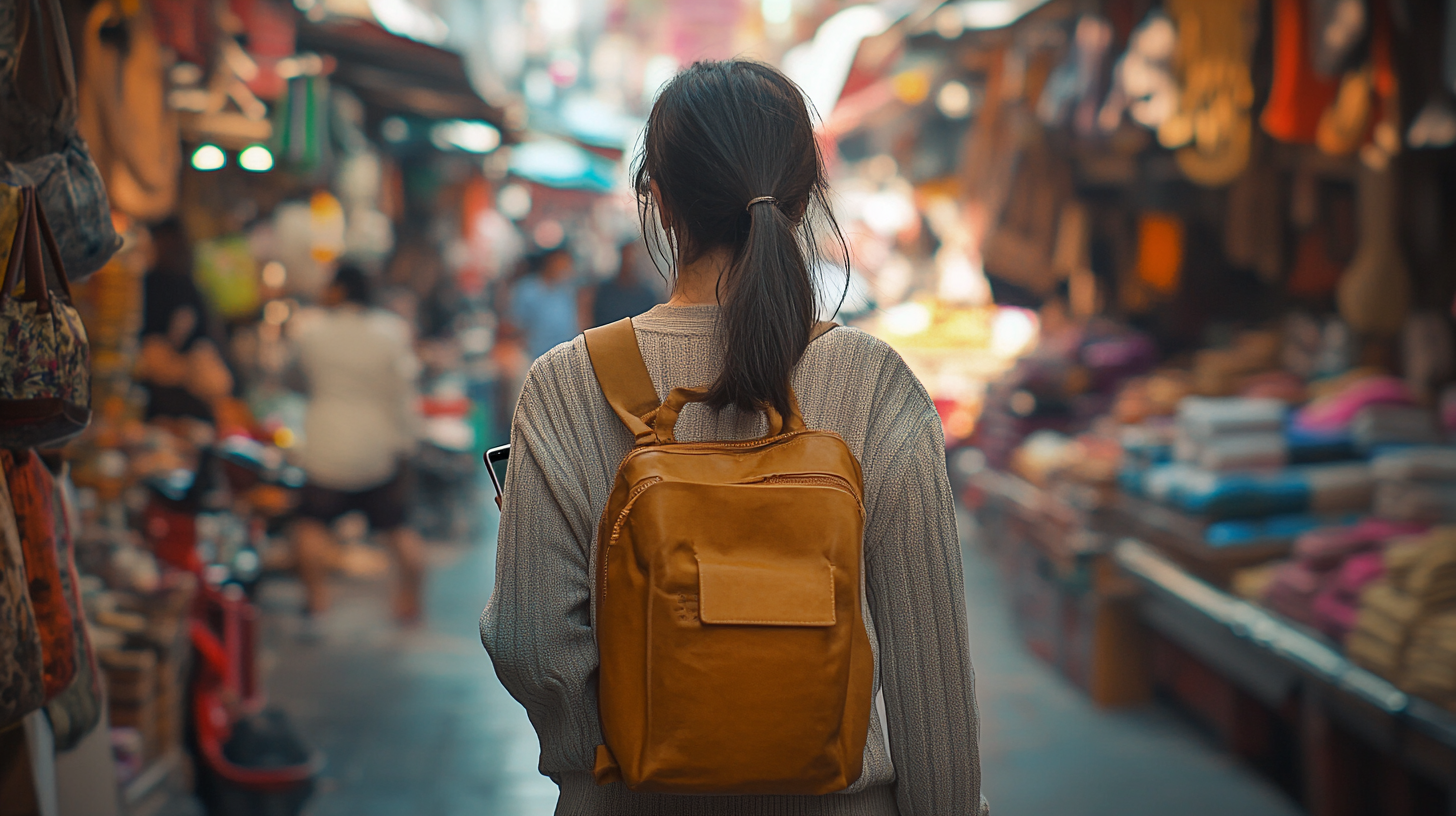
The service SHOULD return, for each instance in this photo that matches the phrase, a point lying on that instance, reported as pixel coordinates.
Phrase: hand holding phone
(496, 457)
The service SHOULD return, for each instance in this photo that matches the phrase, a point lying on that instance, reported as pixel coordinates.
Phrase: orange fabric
(1299, 95)
(727, 610)
(1160, 251)
(31, 489)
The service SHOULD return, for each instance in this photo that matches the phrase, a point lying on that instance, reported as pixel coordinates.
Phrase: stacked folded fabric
(1416, 484)
(1379, 639)
(1430, 663)
(1321, 584)
(1378, 425)
(1234, 433)
(1335, 488)
(1416, 595)
(1339, 403)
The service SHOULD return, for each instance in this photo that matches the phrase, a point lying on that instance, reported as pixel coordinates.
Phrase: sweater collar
(689, 320)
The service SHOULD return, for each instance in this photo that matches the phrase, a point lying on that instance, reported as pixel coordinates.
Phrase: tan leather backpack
(734, 658)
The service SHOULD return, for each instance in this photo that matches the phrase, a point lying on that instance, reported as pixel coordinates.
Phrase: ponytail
(731, 153)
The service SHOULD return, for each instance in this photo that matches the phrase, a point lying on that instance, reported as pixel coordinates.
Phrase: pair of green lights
(255, 158)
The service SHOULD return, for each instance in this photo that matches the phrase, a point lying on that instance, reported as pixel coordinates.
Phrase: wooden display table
(1074, 609)
(1182, 538)
(1341, 739)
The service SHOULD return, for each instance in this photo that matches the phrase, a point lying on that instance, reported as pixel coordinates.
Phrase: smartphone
(496, 458)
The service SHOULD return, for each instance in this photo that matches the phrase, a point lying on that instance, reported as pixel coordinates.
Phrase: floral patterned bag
(45, 365)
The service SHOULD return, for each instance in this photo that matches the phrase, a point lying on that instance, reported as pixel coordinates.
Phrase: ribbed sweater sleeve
(537, 625)
(916, 595)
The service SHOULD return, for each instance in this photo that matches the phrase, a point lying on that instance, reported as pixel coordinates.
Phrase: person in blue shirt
(544, 305)
(625, 295)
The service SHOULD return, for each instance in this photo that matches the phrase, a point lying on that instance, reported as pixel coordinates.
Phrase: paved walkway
(414, 722)
(1045, 749)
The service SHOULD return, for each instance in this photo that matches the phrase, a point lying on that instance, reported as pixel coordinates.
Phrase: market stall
(189, 178)
(1233, 237)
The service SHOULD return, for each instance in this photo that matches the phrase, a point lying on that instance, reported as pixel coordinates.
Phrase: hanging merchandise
(1019, 247)
(271, 33)
(1298, 96)
(1072, 90)
(227, 274)
(1159, 259)
(1434, 127)
(38, 145)
(1344, 124)
(11, 206)
(301, 126)
(1364, 97)
(1375, 290)
(22, 684)
(1213, 124)
(37, 86)
(77, 710)
(1143, 84)
(124, 115)
(1336, 29)
(45, 372)
(31, 489)
(69, 187)
(187, 27)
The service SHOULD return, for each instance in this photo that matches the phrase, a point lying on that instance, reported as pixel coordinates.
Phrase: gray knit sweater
(565, 447)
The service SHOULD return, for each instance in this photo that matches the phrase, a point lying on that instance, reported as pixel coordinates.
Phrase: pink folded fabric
(1335, 616)
(1335, 413)
(1329, 547)
(1359, 571)
(1292, 591)
(1335, 608)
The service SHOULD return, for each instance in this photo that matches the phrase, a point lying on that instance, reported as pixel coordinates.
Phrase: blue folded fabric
(1248, 496)
(1276, 528)
(1312, 447)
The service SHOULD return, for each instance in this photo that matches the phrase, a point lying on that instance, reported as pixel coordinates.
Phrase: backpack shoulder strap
(617, 362)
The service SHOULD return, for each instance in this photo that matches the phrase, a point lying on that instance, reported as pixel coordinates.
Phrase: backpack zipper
(814, 480)
(632, 497)
(746, 443)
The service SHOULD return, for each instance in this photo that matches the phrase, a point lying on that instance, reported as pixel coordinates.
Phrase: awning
(398, 75)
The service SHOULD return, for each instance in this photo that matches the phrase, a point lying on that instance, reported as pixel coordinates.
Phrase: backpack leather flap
(799, 593)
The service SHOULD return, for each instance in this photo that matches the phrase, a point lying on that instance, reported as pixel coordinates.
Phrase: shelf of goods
(1128, 600)
(1282, 697)
(1074, 609)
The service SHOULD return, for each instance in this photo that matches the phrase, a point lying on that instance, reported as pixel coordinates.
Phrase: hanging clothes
(124, 115)
(1299, 95)
(31, 489)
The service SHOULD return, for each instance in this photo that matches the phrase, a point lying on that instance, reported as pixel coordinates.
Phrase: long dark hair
(720, 135)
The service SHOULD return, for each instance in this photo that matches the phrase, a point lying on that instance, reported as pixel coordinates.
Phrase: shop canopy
(398, 75)
(563, 165)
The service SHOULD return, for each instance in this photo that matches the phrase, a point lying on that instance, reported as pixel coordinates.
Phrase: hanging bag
(39, 146)
(31, 488)
(45, 363)
(22, 685)
(75, 712)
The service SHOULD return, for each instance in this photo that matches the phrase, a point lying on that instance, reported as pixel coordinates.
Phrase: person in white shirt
(360, 430)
